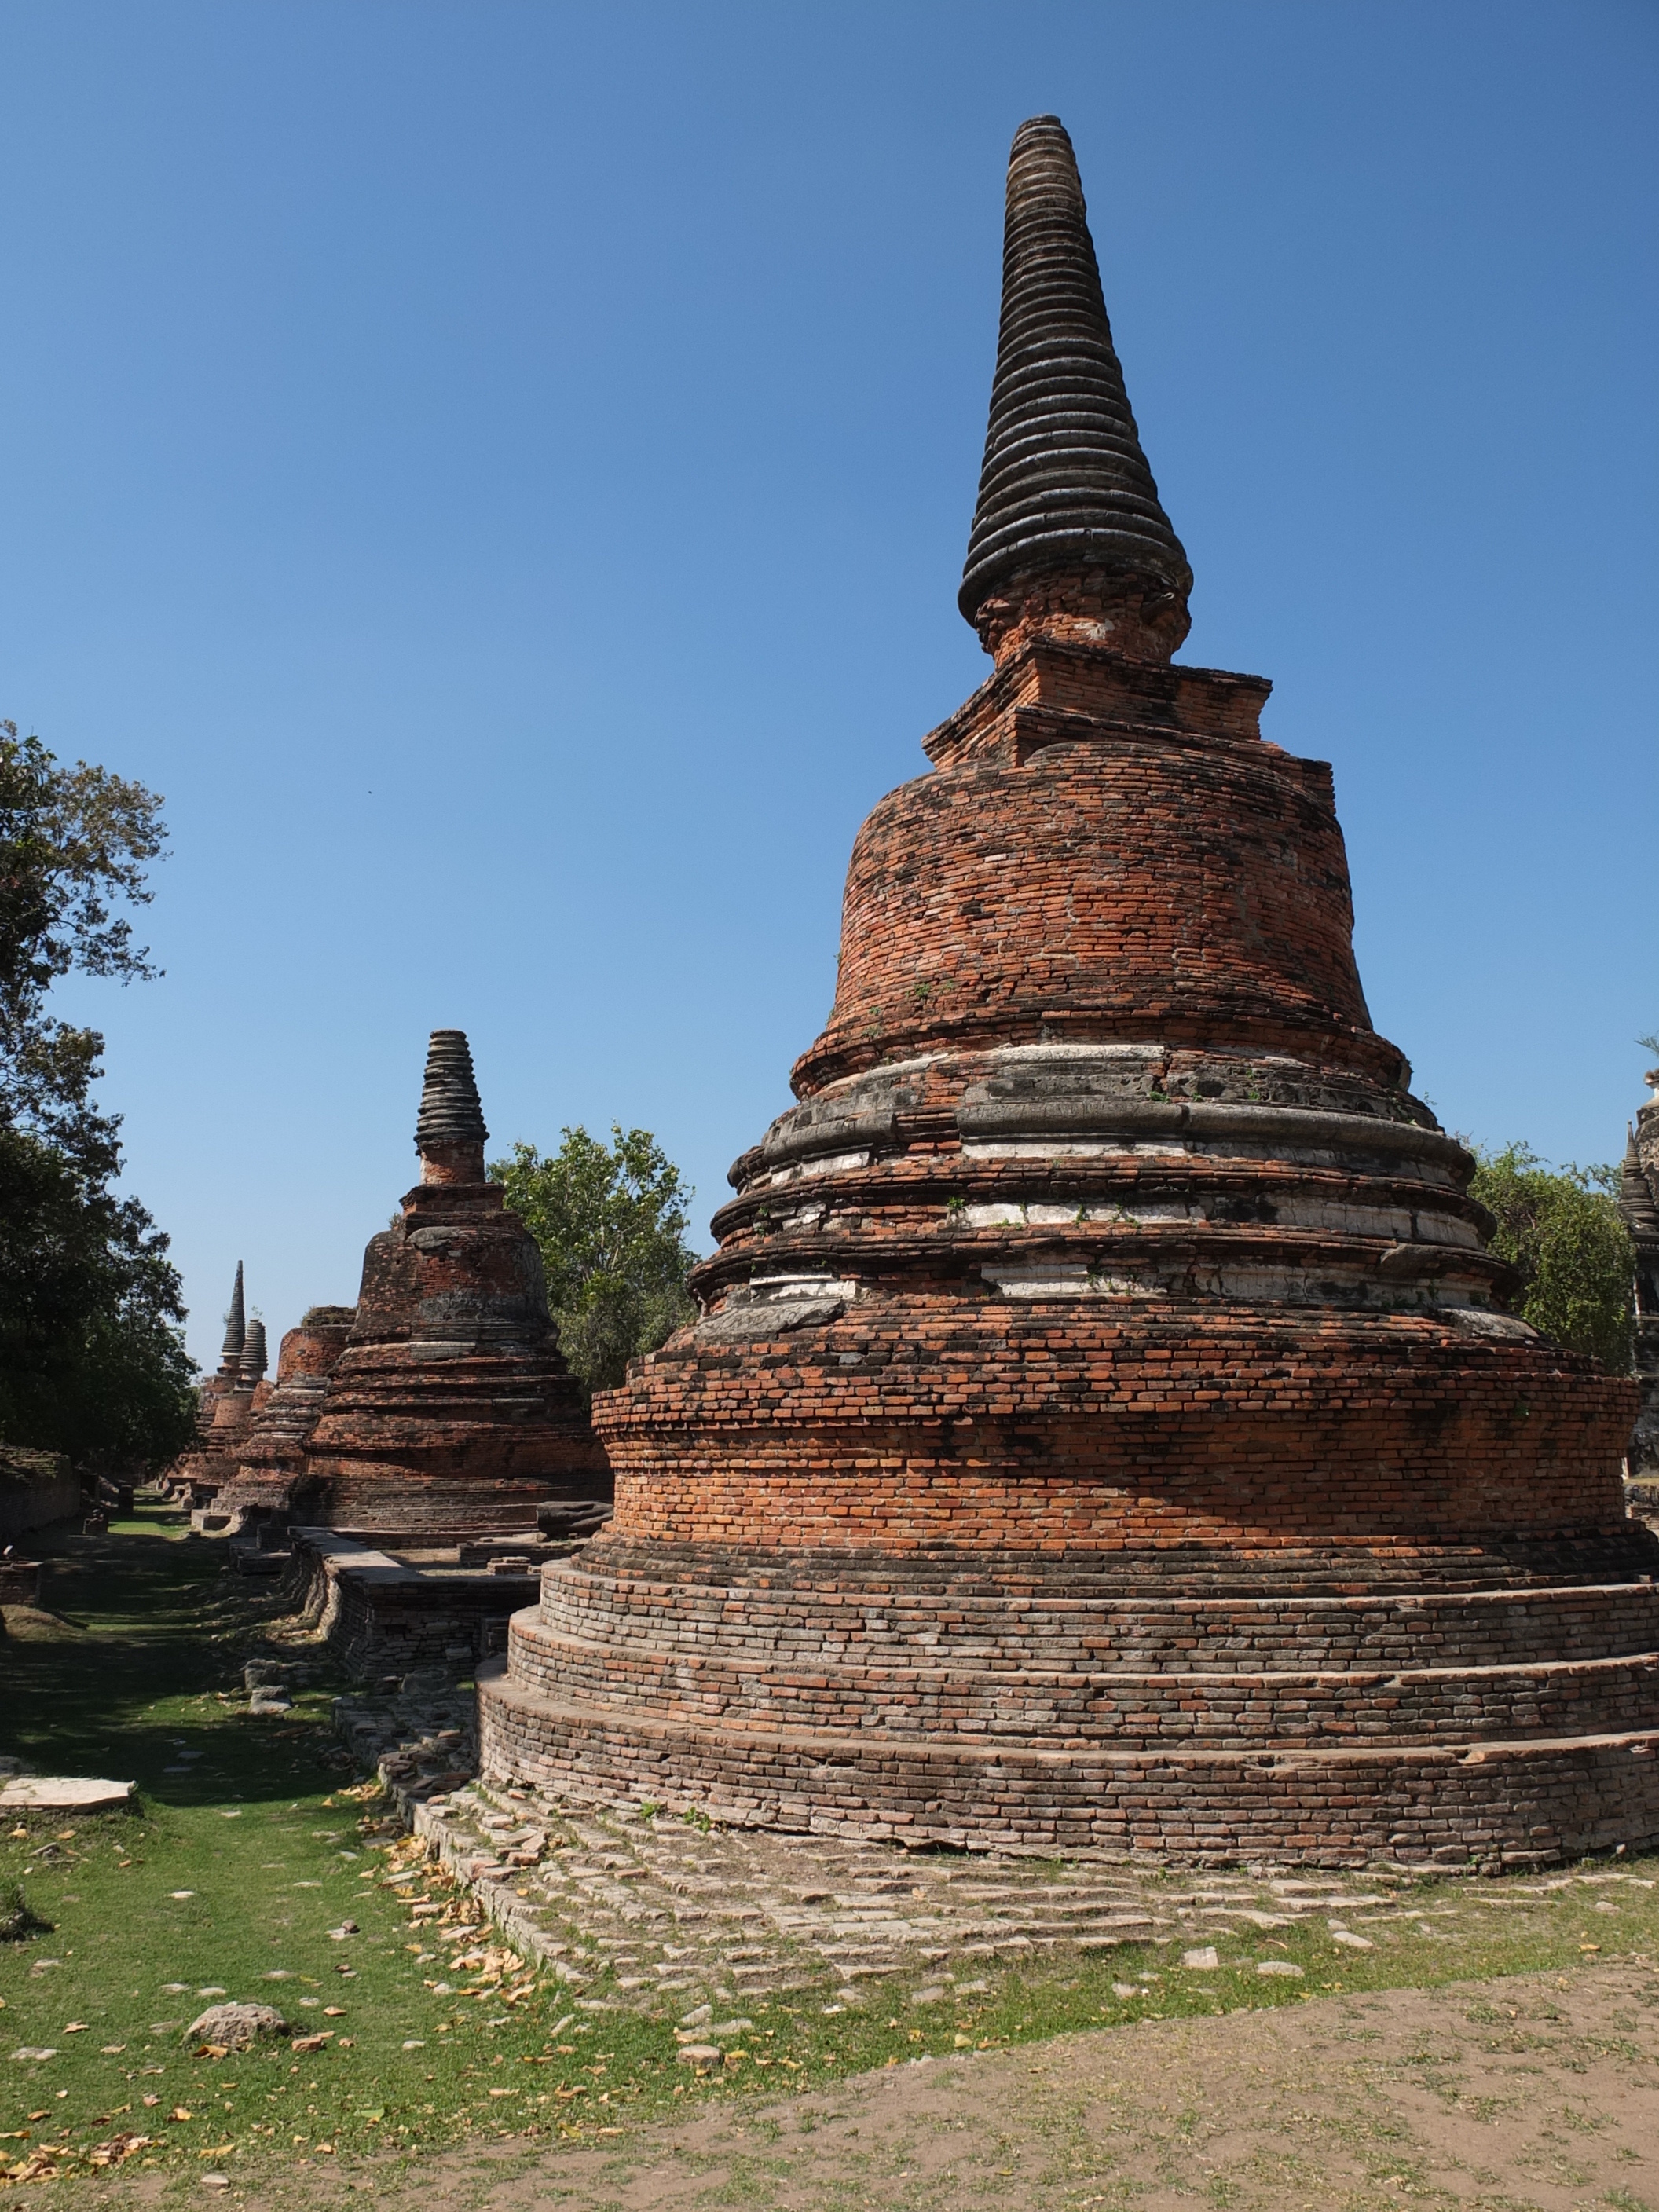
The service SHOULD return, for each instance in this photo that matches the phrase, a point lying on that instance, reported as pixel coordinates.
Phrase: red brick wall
(1119, 879)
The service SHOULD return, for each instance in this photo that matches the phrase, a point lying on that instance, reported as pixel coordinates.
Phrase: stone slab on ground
(62, 1793)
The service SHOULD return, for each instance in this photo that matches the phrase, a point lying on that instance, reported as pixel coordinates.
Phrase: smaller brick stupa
(450, 1412)
(215, 1386)
(272, 1460)
(1638, 1201)
(227, 1404)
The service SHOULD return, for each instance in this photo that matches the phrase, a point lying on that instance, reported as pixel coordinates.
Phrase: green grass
(276, 1843)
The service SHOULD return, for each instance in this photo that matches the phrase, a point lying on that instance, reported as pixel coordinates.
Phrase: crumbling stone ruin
(1639, 1202)
(215, 1386)
(449, 1410)
(227, 1404)
(1103, 1426)
(272, 1458)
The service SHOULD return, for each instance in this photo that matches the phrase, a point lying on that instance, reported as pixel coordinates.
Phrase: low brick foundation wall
(35, 1487)
(1517, 1803)
(380, 1615)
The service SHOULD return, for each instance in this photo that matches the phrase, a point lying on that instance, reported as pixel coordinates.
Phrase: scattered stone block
(59, 1793)
(237, 2026)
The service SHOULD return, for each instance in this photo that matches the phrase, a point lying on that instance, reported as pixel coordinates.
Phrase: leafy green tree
(92, 1362)
(610, 1220)
(1564, 1232)
(74, 842)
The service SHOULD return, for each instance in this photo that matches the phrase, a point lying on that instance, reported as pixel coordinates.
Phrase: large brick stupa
(450, 1409)
(1103, 1427)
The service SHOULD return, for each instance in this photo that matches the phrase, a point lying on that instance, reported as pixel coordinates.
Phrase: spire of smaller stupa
(1636, 1194)
(1065, 485)
(450, 1113)
(236, 1323)
(250, 1369)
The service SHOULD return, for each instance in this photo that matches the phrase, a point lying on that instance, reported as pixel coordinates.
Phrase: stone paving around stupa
(631, 1912)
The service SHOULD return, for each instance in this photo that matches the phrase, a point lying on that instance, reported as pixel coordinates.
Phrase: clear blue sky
(502, 471)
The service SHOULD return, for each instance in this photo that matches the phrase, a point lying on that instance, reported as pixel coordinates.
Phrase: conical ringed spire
(450, 1111)
(1065, 488)
(235, 1323)
(252, 1365)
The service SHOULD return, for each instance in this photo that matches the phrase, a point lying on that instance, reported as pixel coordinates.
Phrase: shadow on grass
(143, 1681)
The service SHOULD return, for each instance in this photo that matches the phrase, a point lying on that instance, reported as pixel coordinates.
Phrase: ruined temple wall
(36, 1487)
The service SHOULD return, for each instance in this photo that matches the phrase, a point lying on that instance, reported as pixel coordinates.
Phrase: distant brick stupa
(1103, 1426)
(1638, 1201)
(268, 1479)
(225, 1405)
(450, 1408)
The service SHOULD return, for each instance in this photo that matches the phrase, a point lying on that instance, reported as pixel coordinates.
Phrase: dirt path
(1529, 2094)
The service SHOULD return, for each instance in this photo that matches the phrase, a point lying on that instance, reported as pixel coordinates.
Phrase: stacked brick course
(1638, 1201)
(227, 1404)
(1103, 1426)
(271, 1459)
(449, 1409)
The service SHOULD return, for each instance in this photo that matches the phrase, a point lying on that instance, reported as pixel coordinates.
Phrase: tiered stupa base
(467, 1445)
(1462, 1707)
(1159, 1652)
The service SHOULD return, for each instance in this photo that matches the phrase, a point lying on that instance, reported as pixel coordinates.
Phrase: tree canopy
(91, 1359)
(74, 842)
(1562, 1231)
(610, 1220)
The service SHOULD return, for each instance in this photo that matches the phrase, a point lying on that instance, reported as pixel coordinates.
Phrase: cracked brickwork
(1103, 1427)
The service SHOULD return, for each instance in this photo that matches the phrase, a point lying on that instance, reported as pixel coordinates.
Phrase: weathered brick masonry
(271, 1457)
(1638, 1201)
(1103, 1425)
(450, 1407)
(227, 1406)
